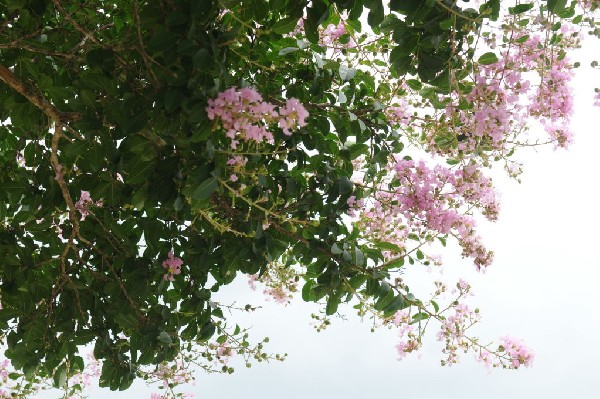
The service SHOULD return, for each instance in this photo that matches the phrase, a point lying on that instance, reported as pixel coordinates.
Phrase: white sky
(542, 287)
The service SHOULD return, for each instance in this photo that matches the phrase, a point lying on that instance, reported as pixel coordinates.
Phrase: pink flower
(244, 115)
(84, 202)
(173, 266)
(292, 114)
(224, 353)
(519, 354)
(463, 285)
(252, 279)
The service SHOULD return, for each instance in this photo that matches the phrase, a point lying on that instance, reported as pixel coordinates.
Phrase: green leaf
(127, 320)
(332, 305)
(557, 6)
(205, 189)
(397, 263)
(376, 13)
(316, 14)
(397, 304)
(16, 4)
(162, 41)
(307, 291)
(419, 317)
(357, 150)
(165, 338)
(520, 8)
(414, 84)
(358, 257)
(139, 171)
(420, 255)
(391, 23)
(285, 25)
(357, 281)
(387, 246)
(60, 377)
(207, 331)
(336, 250)
(487, 58)
(448, 23)
(288, 50)
(384, 301)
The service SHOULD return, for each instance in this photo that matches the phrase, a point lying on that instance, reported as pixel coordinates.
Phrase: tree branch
(56, 117)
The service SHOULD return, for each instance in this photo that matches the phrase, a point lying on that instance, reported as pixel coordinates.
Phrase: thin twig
(75, 24)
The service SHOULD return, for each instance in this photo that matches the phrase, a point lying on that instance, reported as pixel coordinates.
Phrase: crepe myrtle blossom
(292, 115)
(173, 266)
(223, 352)
(409, 341)
(85, 202)
(332, 34)
(427, 198)
(518, 353)
(279, 288)
(244, 115)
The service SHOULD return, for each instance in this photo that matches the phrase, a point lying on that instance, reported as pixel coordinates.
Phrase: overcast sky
(542, 287)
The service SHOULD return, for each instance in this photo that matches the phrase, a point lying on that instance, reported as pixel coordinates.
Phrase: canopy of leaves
(110, 98)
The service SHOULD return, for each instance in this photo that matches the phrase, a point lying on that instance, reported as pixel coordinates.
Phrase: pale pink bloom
(245, 116)
(173, 266)
(84, 202)
(463, 285)
(278, 294)
(252, 279)
(519, 354)
(224, 352)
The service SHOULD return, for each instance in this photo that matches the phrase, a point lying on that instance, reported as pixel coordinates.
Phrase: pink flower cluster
(84, 203)
(423, 199)
(244, 115)
(332, 34)
(589, 5)
(187, 395)
(4, 371)
(237, 162)
(224, 352)
(530, 81)
(552, 101)
(275, 288)
(408, 339)
(518, 353)
(173, 266)
(78, 381)
(171, 374)
(398, 114)
(452, 332)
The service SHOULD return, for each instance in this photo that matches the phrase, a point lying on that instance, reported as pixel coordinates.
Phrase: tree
(153, 151)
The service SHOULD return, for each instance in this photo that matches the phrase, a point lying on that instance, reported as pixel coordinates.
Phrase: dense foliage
(151, 151)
